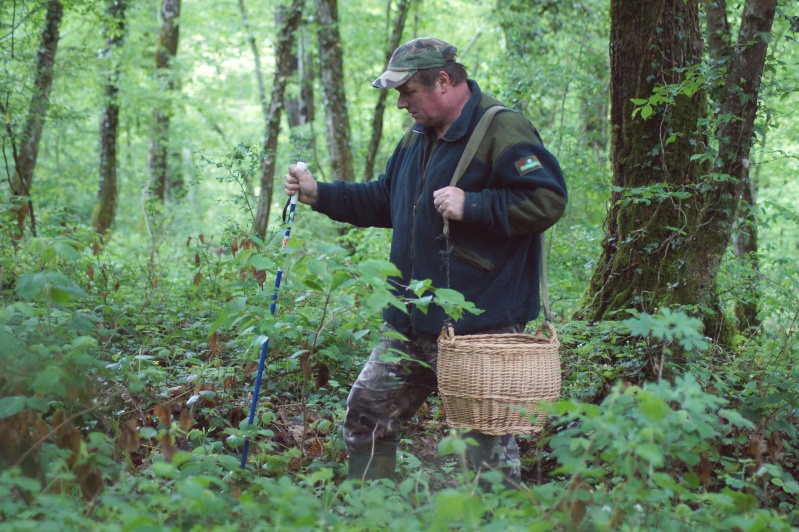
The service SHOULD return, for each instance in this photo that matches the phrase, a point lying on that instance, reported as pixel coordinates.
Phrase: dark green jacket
(514, 190)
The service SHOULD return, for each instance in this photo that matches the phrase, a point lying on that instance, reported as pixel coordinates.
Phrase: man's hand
(449, 202)
(302, 180)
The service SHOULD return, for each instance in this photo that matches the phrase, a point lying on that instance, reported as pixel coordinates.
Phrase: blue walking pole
(265, 346)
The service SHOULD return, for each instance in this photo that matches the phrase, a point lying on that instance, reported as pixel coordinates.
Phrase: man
(512, 190)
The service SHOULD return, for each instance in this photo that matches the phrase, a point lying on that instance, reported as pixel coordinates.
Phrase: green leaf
(312, 284)
(646, 111)
(66, 249)
(650, 452)
(49, 381)
(51, 286)
(736, 419)
(653, 408)
(10, 406)
(338, 279)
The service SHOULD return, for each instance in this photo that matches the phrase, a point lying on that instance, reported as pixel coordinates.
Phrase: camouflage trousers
(396, 380)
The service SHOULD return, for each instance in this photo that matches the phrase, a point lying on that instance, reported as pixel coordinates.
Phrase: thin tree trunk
(300, 109)
(736, 137)
(283, 64)
(747, 303)
(744, 239)
(105, 211)
(380, 107)
(259, 76)
(259, 73)
(718, 31)
(28, 151)
(165, 52)
(332, 75)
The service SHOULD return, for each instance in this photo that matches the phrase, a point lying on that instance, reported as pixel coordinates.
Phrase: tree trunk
(380, 107)
(747, 302)
(300, 109)
(744, 239)
(670, 219)
(105, 210)
(736, 137)
(28, 152)
(718, 31)
(283, 64)
(165, 52)
(332, 75)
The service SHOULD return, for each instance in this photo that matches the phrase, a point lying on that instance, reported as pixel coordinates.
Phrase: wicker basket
(494, 383)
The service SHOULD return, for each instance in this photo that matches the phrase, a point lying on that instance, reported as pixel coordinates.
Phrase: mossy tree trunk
(165, 51)
(282, 68)
(332, 75)
(105, 210)
(670, 218)
(25, 147)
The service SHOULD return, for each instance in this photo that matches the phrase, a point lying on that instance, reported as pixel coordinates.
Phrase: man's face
(420, 101)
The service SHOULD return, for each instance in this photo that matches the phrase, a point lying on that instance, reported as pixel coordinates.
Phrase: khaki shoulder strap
(474, 141)
(468, 154)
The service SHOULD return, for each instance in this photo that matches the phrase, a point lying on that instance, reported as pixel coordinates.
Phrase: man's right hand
(302, 180)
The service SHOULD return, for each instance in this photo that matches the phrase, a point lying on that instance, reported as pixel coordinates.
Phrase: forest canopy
(144, 145)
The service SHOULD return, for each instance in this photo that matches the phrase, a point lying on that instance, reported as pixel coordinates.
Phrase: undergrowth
(128, 375)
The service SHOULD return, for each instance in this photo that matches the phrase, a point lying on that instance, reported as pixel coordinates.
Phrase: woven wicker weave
(494, 383)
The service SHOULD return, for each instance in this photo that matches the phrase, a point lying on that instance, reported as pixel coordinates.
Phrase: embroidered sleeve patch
(528, 164)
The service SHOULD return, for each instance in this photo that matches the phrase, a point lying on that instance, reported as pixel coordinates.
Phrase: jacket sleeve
(525, 192)
(359, 204)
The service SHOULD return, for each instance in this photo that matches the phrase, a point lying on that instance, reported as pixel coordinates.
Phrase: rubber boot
(371, 466)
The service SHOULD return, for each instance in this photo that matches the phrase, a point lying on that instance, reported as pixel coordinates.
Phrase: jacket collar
(460, 127)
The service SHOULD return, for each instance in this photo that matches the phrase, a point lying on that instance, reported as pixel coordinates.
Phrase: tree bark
(282, 67)
(718, 31)
(745, 237)
(105, 210)
(28, 151)
(165, 51)
(670, 218)
(380, 107)
(736, 138)
(332, 75)
(747, 302)
(300, 109)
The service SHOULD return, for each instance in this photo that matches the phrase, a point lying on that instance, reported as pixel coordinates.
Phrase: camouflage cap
(417, 54)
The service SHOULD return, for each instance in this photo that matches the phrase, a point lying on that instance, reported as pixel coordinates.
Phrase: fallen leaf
(757, 447)
(185, 420)
(129, 437)
(164, 413)
(168, 448)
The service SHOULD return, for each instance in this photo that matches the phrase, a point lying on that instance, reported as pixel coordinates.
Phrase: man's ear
(443, 81)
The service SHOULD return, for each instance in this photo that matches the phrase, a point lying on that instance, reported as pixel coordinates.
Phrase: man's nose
(401, 103)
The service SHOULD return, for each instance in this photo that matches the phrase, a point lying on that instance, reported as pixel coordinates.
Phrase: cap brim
(392, 79)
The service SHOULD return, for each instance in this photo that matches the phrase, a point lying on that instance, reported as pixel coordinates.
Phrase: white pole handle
(296, 196)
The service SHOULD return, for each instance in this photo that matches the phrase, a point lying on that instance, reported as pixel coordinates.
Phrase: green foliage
(128, 363)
